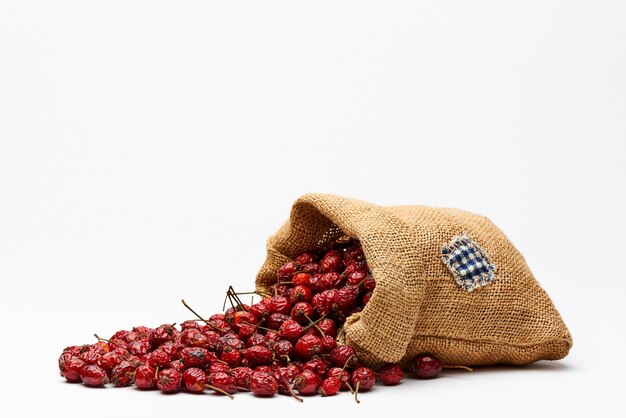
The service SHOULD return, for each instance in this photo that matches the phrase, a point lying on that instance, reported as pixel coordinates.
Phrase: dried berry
(123, 374)
(263, 384)
(302, 312)
(160, 335)
(287, 270)
(427, 367)
(71, 369)
(258, 355)
(145, 377)
(391, 374)
(332, 262)
(242, 376)
(343, 356)
(169, 380)
(330, 386)
(92, 375)
(291, 330)
(195, 356)
(308, 383)
(340, 374)
(222, 381)
(308, 346)
(194, 380)
(364, 378)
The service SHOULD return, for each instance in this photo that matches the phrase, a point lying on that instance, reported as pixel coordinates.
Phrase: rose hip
(94, 376)
(123, 374)
(194, 356)
(169, 380)
(280, 305)
(159, 358)
(194, 380)
(343, 356)
(302, 312)
(258, 355)
(71, 369)
(332, 262)
(308, 346)
(223, 381)
(263, 384)
(364, 378)
(283, 349)
(275, 320)
(287, 270)
(242, 376)
(300, 293)
(145, 377)
(330, 386)
(340, 374)
(291, 330)
(427, 367)
(308, 383)
(139, 347)
(391, 374)
(160, 335)
(301, 279)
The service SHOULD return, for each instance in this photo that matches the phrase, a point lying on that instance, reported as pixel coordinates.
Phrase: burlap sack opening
(417, 306)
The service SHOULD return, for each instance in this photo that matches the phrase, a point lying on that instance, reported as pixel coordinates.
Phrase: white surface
(148, 149)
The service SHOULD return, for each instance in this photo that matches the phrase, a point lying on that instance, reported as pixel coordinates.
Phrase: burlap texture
(417, 307)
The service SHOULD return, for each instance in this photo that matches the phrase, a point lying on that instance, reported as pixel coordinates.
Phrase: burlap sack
(417, 306)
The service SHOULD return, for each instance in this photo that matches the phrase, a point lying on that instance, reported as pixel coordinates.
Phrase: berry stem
(235, 296)
(340, 334)
(291, 392)
(314, 324)
(219, 390)
(258, 326)
(356, 392)
(455, 366)
(201, 318)
(348, 361)
(349, 387)
(100, 339)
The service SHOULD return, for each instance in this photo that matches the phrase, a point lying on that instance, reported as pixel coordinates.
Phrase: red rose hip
(364, 378)
(330, 386)
(391, 374)
(427, 367)
(94, 376)
(169, 380)
(263, 384)
(308, 383)
(71, 369)
(194, 380)
(145, 377)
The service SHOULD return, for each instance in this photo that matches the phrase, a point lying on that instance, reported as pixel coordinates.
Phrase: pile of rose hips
(285, 343)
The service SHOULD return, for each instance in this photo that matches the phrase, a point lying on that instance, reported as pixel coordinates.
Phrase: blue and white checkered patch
(468, 262)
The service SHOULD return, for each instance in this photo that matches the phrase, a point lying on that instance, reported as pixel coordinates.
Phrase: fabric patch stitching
(469, 264)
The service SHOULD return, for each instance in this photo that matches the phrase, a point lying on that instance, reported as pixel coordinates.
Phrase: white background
(149, 148)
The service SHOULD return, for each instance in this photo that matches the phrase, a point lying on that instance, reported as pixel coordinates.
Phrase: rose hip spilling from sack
(285, 343)
(347, 289)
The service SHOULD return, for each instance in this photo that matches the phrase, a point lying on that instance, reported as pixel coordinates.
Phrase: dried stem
(454, 366)
(201, 318)
(223, 392)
